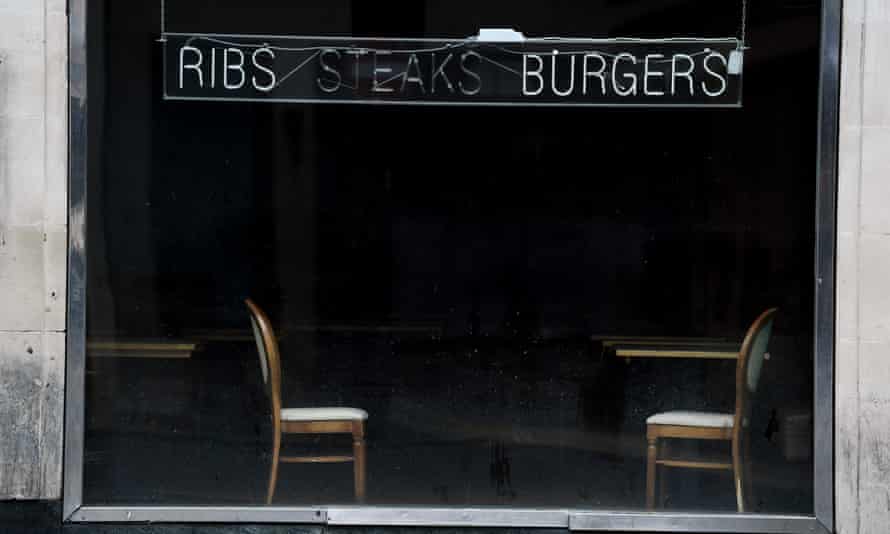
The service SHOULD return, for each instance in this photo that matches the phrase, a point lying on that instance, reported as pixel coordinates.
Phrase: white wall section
(33, 244)
(863, 269)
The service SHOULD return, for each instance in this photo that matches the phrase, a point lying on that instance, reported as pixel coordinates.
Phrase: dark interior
(446, 269)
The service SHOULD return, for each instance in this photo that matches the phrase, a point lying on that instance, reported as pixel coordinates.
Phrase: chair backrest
(269, 357)
(750, 362)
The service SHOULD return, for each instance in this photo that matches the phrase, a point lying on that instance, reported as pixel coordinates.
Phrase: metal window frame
(822, 521)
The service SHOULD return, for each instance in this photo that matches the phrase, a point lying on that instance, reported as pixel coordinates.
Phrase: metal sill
(704, 523)
(370, 516)
(197, 514)
(448, 517)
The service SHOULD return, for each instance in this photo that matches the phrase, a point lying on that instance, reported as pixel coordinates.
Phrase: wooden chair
(304, 420)
(714, 426)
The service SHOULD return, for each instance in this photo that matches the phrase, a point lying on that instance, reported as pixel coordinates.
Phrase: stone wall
(863, 290)
(33, 218)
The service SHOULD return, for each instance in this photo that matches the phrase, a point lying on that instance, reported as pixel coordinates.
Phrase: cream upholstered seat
(323, 414)
(698, 419)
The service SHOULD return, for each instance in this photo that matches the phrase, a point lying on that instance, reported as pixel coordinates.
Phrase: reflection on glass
(455, 306)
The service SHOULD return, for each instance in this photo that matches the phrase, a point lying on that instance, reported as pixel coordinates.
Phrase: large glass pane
(480, 305)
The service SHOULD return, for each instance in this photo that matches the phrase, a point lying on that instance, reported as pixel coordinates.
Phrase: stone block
(847, 286)
(849, 178)
(847, 463)
(56, 274)
(874, 509)
(23, 6)
(876, 73)
(875, 184)
(22, 177)
(61, 6)
(21, 279)
(846, 383)
(874, 286)
(874, 444)
(22, 26)
(53, 416)
(874, 383)
(22, 84)
(875, 10)
(56, 205)
(32, 367)
(854, 12)
(851, 74)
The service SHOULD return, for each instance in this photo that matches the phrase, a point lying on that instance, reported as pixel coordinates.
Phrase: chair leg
(358, 453)
(273, 472)
(738, 475)
(650, 473)
(663, 475)
(748, 486)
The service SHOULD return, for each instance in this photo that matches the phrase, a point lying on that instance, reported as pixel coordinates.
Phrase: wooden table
(116, 364)
(430, 328)
(162, 349)
(669, 347)
(718, 351)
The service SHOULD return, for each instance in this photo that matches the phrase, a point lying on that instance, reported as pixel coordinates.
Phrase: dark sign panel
(518, 71)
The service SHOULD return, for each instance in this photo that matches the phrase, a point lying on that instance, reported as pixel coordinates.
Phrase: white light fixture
(500, 35)
(736, 62)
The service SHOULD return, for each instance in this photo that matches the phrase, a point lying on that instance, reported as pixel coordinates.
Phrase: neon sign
(496, 68)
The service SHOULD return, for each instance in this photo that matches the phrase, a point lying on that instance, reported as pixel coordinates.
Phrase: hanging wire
(461, 43)
(472, 42)
(316, 48)
(163, 37)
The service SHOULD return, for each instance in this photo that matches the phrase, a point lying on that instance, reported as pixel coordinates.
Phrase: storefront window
(432, 300)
